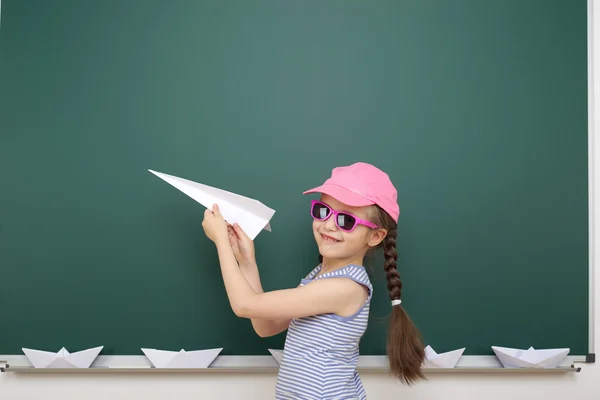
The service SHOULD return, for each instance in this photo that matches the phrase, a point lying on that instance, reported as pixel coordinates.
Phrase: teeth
(327, 239)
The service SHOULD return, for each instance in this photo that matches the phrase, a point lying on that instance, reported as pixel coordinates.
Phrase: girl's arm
(263, 327)
(339, 296)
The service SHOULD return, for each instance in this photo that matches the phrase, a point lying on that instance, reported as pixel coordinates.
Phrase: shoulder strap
(313, 272)
(354, 272)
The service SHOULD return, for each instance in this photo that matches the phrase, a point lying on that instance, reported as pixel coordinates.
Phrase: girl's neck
(329, 264)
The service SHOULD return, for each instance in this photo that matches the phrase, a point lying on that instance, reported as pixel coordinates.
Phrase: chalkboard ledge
(118, 370)
(267, 364)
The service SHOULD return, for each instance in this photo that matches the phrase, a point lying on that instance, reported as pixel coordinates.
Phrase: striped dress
(321, 351)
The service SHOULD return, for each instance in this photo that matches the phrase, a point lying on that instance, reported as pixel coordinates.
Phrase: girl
(326, 317)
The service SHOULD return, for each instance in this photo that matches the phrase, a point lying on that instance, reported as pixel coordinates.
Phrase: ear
(377, 236)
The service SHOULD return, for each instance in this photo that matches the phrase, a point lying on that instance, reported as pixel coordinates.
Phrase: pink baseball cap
(361, 184)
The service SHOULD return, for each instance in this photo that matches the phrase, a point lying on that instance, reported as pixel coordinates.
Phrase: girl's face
(339, 246)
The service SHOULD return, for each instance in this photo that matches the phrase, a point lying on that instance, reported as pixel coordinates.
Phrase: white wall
(582, 386)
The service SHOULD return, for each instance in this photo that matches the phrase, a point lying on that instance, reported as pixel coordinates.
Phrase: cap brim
(342, 195)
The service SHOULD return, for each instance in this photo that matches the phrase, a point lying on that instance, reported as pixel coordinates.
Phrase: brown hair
(405, 349)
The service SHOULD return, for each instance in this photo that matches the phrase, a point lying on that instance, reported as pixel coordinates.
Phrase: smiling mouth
(329, 239)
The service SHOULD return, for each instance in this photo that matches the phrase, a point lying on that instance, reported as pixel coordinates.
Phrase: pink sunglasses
(345, 221)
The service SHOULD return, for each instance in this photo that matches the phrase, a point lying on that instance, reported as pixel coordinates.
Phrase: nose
(330, 223)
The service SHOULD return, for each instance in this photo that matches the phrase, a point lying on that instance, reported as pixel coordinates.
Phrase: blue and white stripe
(321, 351)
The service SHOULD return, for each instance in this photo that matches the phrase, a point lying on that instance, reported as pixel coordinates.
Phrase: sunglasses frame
(358, 221)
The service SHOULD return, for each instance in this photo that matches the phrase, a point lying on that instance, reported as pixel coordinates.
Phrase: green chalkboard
(476, 109)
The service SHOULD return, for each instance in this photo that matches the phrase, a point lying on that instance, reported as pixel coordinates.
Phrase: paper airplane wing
(84, 358)
(252, 215)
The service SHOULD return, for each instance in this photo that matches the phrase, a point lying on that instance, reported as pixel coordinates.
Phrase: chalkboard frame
(267, 363)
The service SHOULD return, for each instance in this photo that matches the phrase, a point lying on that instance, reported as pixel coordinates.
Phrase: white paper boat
(182, 358)
(62, 358)
(442, 360)
(252, 215)
(277, 354)
(530, 358)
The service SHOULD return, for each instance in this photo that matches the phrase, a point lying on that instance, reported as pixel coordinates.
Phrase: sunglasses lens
(320, 211)
(346, 221)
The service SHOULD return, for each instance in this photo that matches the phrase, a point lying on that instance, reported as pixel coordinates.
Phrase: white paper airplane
(252, 215)
(277, 354)
(62, 358)
(530, 358)
(182, 358)
(442, 360)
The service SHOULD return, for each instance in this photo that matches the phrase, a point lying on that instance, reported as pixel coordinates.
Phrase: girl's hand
(243, 247)
(214, 225)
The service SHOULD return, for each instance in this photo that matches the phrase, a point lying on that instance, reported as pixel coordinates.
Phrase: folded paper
(442, 360)
(277, 355)
(530, 358)
(252, 215)
(62, 358)
(182, 358)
